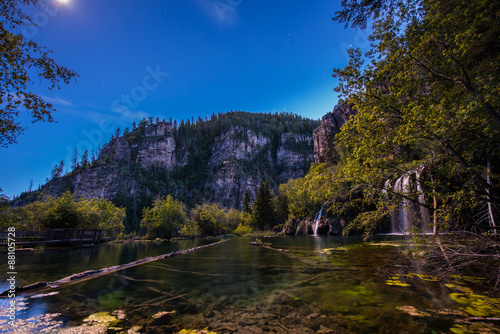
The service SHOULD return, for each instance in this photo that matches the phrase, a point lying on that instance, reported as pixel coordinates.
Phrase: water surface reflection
(302, 284)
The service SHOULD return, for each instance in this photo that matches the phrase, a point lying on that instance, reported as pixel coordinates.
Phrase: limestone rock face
(328, 129)
(241, 158)
(158, 148)
(292, 162)
(95, 182)
(236, 144)
(117, 149)
(157, 152)
(147, 162)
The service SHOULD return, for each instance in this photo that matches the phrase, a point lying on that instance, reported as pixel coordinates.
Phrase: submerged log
(480, 319)
(98, 272)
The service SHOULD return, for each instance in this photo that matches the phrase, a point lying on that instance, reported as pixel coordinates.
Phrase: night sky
(175, 59)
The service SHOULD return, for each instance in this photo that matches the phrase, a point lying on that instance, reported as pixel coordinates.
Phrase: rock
(290, 161)
(238, 160)
(324, 330)
(251, 330)
(161, 318)
(413, 311)
(330, 126)
(134, 330)
(120, 314)
(313, 316)
(101, 317)
(209, 314)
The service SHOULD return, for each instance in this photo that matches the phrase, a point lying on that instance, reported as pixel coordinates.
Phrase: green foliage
(21, 58)
(280, 202)
(264, 216)
(62, 212)
(213, 219)
(189, 229)
(427, 97)
(165, 217)
(236, 218)
(242, 230)
(57, 171)
(65, 212)
(195, 140)
(5, 215)
(246, 205)
(306, 195)
(101, 214)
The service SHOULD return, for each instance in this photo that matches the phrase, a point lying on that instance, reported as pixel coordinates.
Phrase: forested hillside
(215, 159)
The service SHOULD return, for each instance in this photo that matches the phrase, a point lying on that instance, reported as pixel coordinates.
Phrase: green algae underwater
(297, 285)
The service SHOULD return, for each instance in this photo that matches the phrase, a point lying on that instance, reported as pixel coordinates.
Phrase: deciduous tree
(19, 57)
(426, 95)
(165, 217)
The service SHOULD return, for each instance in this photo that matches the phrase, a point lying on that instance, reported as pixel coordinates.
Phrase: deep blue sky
(179, 59)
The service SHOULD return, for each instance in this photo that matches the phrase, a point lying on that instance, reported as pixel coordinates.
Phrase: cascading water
(316, 222)
(410, 212)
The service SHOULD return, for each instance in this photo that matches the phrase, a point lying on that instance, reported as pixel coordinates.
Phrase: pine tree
(61, 167)
(263, 211)
(246, 207)
(56, 172)
(282, 208)
(85, 159)
(74, 159)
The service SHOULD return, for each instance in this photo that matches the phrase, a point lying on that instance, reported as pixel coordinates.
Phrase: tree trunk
(434, 208)
(490, 205)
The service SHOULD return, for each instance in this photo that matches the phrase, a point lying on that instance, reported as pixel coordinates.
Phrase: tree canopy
(64, 212)
(20, 59)
(427, 94)
(164, 218)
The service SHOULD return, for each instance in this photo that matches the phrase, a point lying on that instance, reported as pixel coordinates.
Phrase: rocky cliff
(325, 133)
(241, 158)
(212, 160)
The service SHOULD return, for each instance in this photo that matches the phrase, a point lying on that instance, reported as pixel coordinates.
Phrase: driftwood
(480, 319)
(98, 272)
(306, 280)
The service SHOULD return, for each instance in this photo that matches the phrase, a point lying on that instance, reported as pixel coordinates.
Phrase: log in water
(98, 272)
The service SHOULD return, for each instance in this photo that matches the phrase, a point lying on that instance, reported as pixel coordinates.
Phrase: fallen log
(98, 272)
(481, 319)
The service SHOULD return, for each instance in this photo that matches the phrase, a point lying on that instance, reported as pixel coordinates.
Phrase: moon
(63, 2)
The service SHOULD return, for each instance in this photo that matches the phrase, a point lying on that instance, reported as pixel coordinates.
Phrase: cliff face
(232, 154)
(214, 160)
(149, 161)
(325, 133)
(241, 158)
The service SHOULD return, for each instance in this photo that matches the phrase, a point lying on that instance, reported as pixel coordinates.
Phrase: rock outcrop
(292, 162)
(328, 129)
(240, 155)
(148, 161)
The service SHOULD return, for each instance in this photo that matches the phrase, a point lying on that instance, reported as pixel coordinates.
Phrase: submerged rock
(101, 317)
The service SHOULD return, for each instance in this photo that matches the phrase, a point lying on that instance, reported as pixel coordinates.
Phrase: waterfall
(316, 221)
(410, 212)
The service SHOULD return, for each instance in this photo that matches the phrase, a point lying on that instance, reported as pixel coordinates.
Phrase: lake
(299, 285)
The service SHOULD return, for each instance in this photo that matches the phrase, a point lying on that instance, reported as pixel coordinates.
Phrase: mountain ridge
(215, 159)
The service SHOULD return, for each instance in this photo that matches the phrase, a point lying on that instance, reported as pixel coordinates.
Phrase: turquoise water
(301, 285)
